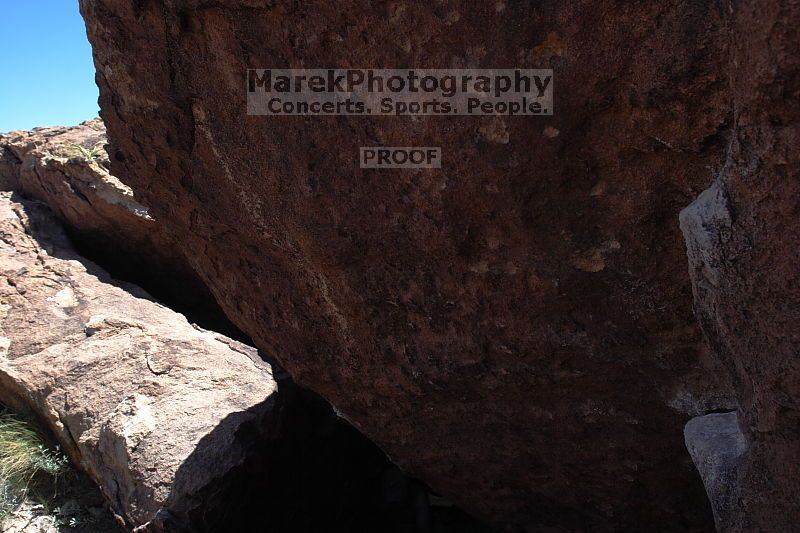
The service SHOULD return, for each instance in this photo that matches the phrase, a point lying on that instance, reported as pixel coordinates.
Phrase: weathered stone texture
(154, 409)
(516, 328)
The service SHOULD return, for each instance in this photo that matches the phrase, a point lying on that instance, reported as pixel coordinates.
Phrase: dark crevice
(720, 411)
(311, 472)
(171, 285)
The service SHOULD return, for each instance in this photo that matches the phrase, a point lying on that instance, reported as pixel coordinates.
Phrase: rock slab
(67, 168)
(153, 408)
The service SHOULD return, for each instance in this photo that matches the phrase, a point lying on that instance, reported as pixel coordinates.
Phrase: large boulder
(516, 328)
(157, 411)
(743, 242)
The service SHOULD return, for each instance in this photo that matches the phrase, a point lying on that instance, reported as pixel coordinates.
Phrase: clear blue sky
(46, 69)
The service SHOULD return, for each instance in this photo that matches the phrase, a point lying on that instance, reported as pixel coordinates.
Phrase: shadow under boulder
(310, 471)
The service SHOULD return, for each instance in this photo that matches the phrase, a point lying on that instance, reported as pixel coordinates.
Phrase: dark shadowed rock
(516, 328)
(743, 242)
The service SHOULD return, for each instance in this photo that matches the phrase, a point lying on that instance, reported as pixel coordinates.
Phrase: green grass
(29, 466)
(87, 153)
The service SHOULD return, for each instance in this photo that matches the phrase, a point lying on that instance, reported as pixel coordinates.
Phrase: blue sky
(47, 71)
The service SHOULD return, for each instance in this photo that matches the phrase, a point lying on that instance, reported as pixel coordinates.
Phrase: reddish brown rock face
(515, 328)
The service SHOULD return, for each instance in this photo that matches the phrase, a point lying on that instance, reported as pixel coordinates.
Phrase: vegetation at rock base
(30, 467)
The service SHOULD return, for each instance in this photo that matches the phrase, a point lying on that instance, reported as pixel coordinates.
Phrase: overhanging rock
(483, 322)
